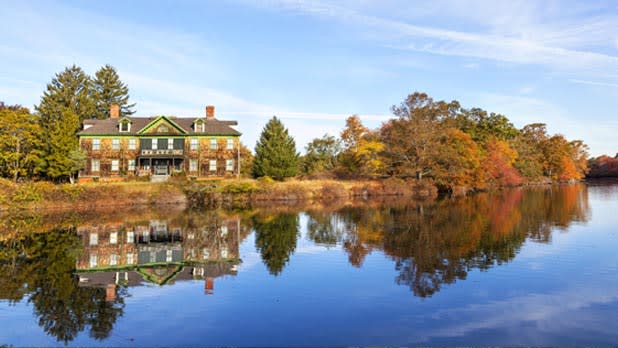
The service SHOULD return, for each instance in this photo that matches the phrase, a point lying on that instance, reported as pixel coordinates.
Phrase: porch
(159, 166)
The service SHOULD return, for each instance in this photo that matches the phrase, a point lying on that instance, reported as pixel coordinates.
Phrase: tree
(321, 154)
(412, 139)
(70, 89)
(64, 158)
(246, 161)
(20, 142)
(275, 152)
(457, 160)
(497, 166)
(108, 90)
(275, 239)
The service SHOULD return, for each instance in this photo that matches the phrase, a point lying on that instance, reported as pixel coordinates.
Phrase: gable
(162, 125)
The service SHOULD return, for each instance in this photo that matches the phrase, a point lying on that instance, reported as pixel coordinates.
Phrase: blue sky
(313, 63)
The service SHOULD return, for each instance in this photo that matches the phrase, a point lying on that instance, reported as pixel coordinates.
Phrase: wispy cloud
(560, 47)
(595, 83)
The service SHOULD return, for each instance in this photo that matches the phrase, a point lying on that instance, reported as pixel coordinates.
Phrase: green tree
(321, 154)
(64, 158)
(275, 152)
(70, 89)
(20, 142)
(275, 239)
(108, 90)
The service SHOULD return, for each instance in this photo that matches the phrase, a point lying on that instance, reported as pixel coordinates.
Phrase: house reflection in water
(158, 251)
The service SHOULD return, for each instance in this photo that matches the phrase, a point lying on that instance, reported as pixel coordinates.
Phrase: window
(229, 165)
(168, 256)
(213, 143)
(170, 144)
(198, 126)
(95, 165)
(224, 252)
(206, 253)
(131, 165)
(212, 165)
(113, 238)
(154, 144)
(93, 261)
(113, 260)
(230, 144)
(130, 237)
(194, 144)
(132, 144)
(223, 231)
(115, 144)
(96, 144)
(125, 126)
(115, 165)
(130, 258)
(193, 165)
(94, 238)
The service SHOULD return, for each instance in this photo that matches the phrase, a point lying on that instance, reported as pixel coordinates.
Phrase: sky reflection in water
(518, 267)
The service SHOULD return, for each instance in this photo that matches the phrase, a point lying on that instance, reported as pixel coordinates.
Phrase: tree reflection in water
(431, 244)
(437, 243)
(42, 265)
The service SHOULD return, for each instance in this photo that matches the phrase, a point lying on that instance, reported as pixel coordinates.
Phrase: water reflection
(77, 277)
(77, 269)
(433, 244)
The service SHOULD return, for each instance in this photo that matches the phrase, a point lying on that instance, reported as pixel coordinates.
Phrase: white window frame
(195, 144)
(213, 144)
(130, 237)
(113, 238)
(131, 165)
(122, 123)
(115, 144)
(153, 146)
(193, 165)
(132, 144)
(115, 164)
(113, 259)
(230, 144)
(95, 165)
(96, 144)
(130, 258)
(94, 239)
(93, 260)
(170, 143)
(212, 165)
(229, 165)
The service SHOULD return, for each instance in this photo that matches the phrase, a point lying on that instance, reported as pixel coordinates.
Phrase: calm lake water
(518, 267)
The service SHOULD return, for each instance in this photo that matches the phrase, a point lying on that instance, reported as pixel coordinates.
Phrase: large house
(120, 147)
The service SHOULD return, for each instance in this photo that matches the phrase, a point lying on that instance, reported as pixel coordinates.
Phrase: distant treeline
(603, 167)
(451, 145)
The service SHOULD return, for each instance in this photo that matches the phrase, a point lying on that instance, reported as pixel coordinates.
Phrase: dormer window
(124, 126)
(198, 126)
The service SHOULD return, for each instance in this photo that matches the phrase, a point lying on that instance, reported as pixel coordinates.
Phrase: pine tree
(71, 89)
(64, 158)
(108, 90)
(67, 101)
(275, 152)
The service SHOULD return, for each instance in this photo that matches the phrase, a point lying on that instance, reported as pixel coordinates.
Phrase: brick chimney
(210, 112)
(114, 111)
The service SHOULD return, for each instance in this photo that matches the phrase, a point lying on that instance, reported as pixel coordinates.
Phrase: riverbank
(46, 195)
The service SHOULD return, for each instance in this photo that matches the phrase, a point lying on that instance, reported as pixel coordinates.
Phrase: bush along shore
(244, 192)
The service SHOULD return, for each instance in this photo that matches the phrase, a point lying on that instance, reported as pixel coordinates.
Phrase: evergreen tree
(64, 157)
(70, 89)
(108, 90)
(275, 239)
(275, 152)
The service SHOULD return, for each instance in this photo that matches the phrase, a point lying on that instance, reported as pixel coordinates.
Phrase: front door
(161, 166)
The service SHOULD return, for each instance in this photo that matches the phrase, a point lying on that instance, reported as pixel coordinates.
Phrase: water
(519, 267)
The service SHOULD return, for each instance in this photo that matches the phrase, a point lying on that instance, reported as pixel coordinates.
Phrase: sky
(313, 63)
